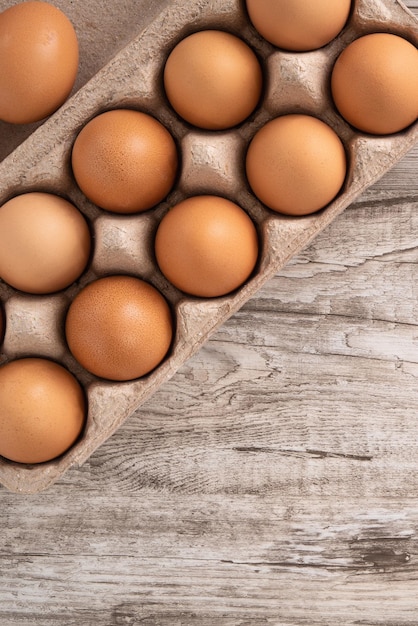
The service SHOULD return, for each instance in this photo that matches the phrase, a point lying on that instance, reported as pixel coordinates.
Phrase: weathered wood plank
(256, 557)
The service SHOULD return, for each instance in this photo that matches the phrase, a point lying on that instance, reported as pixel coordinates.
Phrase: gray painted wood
(273, 481)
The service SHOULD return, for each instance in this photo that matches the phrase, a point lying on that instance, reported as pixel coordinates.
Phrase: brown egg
(44, 242)
(206, 246)
(213, 79)
(375, 83)
(299, 25)
(125, 161)
(38, 61)
(296, 164)
(119, 327)
(42, 410)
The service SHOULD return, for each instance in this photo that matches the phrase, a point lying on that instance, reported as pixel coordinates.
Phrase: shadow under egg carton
(211, 162)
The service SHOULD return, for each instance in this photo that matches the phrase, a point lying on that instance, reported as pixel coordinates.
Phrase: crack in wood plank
(316, 454)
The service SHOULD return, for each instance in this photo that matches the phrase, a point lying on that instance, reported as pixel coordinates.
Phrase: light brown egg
(213, 79)
(299, 25)
(206, 246)
(42, 410)
(375, 83)
(119, 327)
(125, 161)
(296, 164)
(38, 61)
(44, 242)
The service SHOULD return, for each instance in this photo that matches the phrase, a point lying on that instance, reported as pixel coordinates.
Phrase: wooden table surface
(274, 479)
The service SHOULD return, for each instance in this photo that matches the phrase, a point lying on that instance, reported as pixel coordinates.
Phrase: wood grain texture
(273, 481)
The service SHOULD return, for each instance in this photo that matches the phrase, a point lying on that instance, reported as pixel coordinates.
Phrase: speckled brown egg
(42, 410)
(296, 164)
(375, 83)
(119, 327)
(213, 79)
(299, 25)
(44, 242)
(38, 61)
(125, 161)
(206, 246)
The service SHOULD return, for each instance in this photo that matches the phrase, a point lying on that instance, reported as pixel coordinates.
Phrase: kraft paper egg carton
(211, 163)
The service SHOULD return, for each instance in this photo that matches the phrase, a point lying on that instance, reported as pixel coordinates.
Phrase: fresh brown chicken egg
(213, 79)
(44, 242)
(296, 164)
(42, 410)
(299, 25)
(125, 161)
(375, 83)
(38, 61)
(119, 327)
(206, 246)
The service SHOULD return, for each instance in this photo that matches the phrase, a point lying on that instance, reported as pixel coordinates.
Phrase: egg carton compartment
(211, 163)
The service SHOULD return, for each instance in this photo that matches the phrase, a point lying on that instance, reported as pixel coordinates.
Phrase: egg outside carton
(211, 162)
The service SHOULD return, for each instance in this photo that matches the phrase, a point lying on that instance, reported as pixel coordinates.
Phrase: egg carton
(211, 163)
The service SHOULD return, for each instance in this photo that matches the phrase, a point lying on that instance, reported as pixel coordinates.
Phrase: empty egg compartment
(210, 163)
